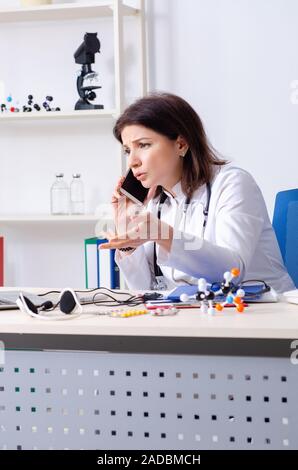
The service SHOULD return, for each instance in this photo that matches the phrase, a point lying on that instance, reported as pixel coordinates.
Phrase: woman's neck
(168, 186)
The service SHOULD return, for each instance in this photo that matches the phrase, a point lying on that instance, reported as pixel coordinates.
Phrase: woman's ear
(182, 146)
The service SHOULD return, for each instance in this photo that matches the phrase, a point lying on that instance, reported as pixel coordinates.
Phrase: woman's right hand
(124, 208)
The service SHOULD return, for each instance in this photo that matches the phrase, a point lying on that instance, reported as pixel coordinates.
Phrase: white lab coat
(238, 234)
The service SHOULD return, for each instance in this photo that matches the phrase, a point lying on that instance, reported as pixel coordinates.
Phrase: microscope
(87, 78)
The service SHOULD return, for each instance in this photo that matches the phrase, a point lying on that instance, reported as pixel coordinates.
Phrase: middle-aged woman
(202, 216)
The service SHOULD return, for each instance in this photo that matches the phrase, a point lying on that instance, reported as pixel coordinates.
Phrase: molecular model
(207, 298)
(30, 106)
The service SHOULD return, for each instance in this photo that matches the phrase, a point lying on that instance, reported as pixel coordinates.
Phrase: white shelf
(44, 218)
(41, 115)
(64, 11)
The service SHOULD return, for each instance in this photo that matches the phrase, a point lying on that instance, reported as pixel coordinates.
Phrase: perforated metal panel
(91, 400)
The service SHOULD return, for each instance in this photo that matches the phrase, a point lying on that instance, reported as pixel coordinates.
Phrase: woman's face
(153, 158)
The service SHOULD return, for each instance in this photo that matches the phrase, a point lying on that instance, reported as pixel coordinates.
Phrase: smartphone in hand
(133, 188)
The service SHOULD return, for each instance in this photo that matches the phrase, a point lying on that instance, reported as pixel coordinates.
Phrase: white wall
(233, 60)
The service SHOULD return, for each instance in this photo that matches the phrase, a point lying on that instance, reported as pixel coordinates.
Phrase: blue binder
(101, 269)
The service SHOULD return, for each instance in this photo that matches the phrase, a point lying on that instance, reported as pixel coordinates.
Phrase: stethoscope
(159, 282)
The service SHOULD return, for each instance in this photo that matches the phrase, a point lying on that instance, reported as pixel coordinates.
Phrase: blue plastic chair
(285, 224)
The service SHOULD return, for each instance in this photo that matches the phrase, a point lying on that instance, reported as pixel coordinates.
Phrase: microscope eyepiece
(86, 51)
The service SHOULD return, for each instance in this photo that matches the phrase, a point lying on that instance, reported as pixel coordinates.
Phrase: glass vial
(77, 203)
(59, 196)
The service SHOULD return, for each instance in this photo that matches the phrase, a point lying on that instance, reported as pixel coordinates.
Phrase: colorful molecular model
(29, 106)
(206, 297)
(226, 289)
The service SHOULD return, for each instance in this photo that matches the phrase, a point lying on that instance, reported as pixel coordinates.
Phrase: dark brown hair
(172, 116)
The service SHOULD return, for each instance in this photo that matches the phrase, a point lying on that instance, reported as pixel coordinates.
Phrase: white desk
(185, 382)
(271, 320)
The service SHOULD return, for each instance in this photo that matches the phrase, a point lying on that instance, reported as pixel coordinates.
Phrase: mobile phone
(133, 188)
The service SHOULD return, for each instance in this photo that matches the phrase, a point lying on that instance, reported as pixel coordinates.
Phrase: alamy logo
(149, 230)
(294, 92)
(2, 353)
(294, 354)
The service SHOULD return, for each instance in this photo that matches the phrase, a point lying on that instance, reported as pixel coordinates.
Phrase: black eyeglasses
(253, 288)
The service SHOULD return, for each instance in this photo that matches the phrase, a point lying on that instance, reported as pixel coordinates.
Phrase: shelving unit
(43, 218)
(115, 11)
(34, 116)
(64, 11)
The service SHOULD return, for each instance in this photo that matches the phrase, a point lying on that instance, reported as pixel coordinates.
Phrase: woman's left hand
(141, 229)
